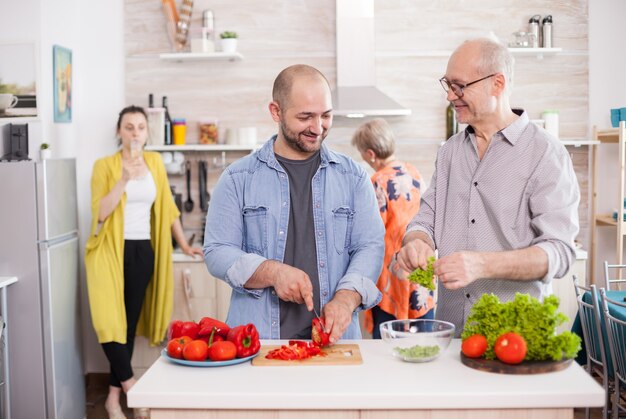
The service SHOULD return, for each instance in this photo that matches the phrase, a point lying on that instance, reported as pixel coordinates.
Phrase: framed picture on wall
(62, 76)
(18, 79)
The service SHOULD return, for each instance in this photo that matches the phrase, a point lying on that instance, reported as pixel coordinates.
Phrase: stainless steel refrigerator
(39, 245)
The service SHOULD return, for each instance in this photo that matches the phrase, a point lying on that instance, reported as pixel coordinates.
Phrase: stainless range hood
(356, 94)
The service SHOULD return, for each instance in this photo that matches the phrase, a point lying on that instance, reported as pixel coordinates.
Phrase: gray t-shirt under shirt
(300, 251)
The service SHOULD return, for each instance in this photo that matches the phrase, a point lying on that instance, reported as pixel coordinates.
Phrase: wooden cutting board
(526, 367)
(340, 354)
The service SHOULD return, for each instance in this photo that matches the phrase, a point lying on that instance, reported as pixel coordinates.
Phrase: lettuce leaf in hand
(528, 317)
(425, 278)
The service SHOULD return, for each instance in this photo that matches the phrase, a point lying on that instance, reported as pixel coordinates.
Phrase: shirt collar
(266, 154)
(513, 131)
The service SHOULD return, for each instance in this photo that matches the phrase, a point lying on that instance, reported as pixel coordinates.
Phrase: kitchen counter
(381, 385)
(181, 257)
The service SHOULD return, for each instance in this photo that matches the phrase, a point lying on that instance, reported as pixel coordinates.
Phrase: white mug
(7, 100)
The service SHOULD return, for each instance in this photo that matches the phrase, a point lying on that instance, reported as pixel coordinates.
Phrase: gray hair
(495, 58)
(375, 135)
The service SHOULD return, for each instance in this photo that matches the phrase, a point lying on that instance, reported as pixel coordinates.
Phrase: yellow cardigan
(104, 256)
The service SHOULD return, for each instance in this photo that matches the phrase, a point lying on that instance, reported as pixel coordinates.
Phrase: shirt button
(317, 205)
(473, 221)
(475, 183)
(319, 233)
(273, 292)
(281, 232)
(273, 323)
(325, 293)
(467, 295)
(322, 264)
(284, 203)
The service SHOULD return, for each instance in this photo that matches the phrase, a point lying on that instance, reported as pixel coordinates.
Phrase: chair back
(590, 321)
(615, 281)
(616, 334)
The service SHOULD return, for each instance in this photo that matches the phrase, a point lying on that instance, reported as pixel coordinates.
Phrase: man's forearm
(350, 298)
(264, 275)
(526, 264)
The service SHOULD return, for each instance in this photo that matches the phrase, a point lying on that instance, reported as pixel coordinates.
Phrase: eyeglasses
(456, 88)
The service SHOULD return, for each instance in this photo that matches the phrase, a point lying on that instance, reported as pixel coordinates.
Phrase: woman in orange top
(397, 185)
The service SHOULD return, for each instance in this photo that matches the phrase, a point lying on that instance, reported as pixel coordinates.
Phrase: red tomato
(175, 346)
(196, 350)
(173, 331)
(222, 350)
(474, 346)
(190, 329)
(510, 348)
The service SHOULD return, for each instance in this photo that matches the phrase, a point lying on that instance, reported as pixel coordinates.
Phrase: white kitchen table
(381, 387)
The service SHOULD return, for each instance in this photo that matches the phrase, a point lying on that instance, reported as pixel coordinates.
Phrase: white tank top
(140, 195)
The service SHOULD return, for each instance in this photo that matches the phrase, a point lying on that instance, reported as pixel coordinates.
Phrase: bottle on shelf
(547, 32)
(150, 100)
(168, 123)
(451, 124)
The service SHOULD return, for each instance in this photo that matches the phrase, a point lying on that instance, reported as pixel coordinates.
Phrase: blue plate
(206, 363)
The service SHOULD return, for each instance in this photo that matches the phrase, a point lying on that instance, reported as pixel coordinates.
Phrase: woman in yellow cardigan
(129, 251)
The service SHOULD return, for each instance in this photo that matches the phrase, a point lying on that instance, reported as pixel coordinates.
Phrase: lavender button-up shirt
(522, 193)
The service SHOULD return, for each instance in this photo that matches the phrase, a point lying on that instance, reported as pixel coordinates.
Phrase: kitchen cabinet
(196, 294)
(564, 289)
(5, 407)
(381, 387)
(616, 135)
(203, 147)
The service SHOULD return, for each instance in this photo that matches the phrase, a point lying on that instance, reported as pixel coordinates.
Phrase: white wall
(100, 89)
(607, 90)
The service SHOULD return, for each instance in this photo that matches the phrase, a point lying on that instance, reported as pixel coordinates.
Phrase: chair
(616, 333)
(612, 284)
(594, 343)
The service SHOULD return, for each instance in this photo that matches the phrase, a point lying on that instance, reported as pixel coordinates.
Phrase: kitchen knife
(317, 315)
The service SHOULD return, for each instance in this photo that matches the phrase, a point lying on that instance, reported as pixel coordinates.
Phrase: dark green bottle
(451, 124)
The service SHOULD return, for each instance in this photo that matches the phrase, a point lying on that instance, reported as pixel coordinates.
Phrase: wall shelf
(201, 56)
(579, 143)
(609, 136)
(203, 147)
(538, 52)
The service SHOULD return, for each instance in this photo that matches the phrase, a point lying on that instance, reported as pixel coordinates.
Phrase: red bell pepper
(207, 324)
(318, 335)
(246, 339)
(174, 329)
(190, 329)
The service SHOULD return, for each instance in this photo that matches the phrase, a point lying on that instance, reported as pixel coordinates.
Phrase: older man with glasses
(502, 208)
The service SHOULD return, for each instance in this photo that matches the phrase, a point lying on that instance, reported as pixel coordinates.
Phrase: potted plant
(229, 41)
(44, 151)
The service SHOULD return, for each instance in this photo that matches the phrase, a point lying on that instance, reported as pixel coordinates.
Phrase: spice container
(208, 131)
(179, 127)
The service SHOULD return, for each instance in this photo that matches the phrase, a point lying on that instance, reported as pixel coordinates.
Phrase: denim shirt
(247, 224)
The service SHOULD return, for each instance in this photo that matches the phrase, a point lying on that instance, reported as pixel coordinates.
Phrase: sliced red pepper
(318, 335)
(207, 324)
(296, 350)
(246, 339)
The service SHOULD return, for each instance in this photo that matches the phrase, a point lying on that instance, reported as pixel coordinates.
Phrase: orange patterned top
(398, 193)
